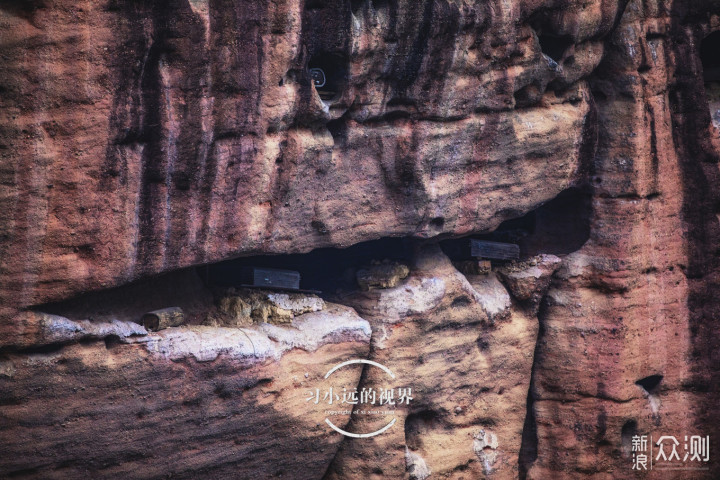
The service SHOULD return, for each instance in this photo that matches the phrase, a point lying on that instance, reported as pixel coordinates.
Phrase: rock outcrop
(381, 275)
(168, 134)
(184, 402)
(245, 306)
(529, 280)
(469, 375)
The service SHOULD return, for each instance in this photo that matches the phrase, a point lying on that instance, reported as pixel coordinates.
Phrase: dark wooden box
(494, 250)
(270, 278)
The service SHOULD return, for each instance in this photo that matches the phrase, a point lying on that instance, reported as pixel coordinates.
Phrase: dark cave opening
(356, 5)
(554, 46)
(315, 4)
(195, 291)
(650, 384)
(182, 289)
(328, 72)
(559, 227)
(325, 270)
(628, 431)
(562, 225)
(710, 58)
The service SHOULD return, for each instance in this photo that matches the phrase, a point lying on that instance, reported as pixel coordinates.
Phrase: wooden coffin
(162, 319)
(494, 250)
(269, 278)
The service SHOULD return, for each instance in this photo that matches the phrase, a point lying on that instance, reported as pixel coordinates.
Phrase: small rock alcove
(559, 227)
(328, 72)
(324, 270)
(650, 384)
(711, 74)
(326, 39)
(191, 295)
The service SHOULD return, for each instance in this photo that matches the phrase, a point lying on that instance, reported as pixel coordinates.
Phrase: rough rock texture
(529, 280)
(381, 275)
(140, 138)
(635, 301)
(468, 374)
(244, 306)
(184, 402)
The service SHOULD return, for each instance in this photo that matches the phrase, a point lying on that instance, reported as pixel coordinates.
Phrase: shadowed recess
(650, 384)
(629, 430)
(559, 227)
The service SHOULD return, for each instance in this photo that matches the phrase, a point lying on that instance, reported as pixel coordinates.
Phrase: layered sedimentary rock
(628, 309)
(167, 134)
(185, 402)
(468, 362)
(140, 138)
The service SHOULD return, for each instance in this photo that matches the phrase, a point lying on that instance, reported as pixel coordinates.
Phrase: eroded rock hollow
(159, 158)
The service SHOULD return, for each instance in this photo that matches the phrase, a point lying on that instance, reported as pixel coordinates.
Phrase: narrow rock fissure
(207, 295)
(529, 445)
(325, 272)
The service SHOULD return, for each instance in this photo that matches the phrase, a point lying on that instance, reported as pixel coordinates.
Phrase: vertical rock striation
(146, 138)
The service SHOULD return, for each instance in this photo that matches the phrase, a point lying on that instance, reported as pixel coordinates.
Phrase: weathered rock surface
(244, 306)
(468, 374)
(491, 295)
(381, 275)
(40, 329)
(185, 402)
(529, 280)
(140, 138)
(634, 302)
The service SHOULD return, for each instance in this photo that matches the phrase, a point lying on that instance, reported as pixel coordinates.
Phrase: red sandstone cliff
(145, 138)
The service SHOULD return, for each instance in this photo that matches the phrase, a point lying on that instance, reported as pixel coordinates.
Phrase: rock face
(174, 133)
(140, 140)
(468, 375)
(184, 402)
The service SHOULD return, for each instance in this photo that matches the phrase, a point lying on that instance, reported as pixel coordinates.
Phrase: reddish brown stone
(141, 138)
